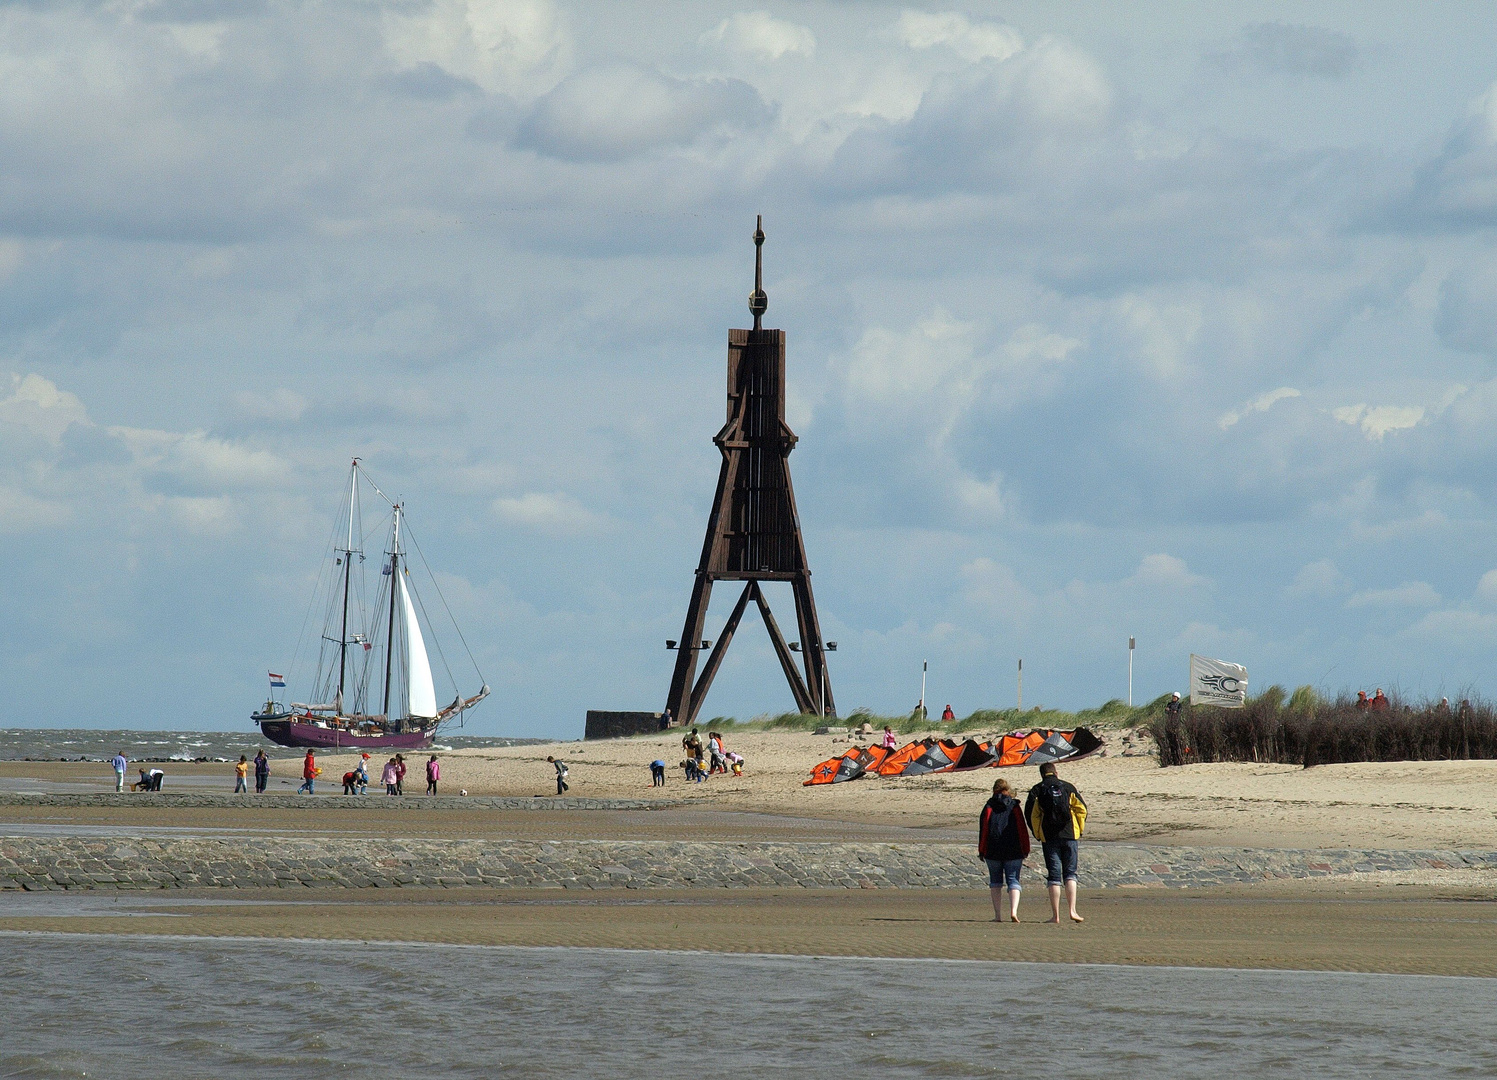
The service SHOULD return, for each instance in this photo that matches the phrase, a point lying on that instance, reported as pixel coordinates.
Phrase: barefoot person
(1003, 841)
(1057, 815)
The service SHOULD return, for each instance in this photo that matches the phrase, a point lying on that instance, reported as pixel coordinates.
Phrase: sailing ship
(370, 654)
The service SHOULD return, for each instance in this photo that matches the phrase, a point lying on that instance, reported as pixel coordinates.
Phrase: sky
(1163, 320)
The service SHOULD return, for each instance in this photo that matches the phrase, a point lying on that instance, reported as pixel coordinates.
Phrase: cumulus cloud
(550, 512)
(925, 377)
(1283, 48)
(1467, 314)
(613, 111)
(201, 462)
(989, 124)
(22, 512)
(1378, 420)
(1411, 594)
(37, 405)
(972, 41)
(761, 34)
(1262, 403)
(1459, 185)
(1319, 580)
(505, 46)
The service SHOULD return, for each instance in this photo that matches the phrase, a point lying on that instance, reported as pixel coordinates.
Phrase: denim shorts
(1004, 873)
(1060, 861)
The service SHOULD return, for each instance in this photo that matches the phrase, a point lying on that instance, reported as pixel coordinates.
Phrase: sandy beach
(1437, 922)
(1428, 804)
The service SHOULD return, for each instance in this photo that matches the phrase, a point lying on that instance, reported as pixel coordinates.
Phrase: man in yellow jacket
(1057, 815)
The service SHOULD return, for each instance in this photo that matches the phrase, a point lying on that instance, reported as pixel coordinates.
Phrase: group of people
(261, 765)
(355, 781)
(714, 754)
(1378, 702)
(1055, 814)
(150, 779)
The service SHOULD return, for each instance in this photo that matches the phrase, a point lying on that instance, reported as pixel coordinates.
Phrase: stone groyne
(199, 862)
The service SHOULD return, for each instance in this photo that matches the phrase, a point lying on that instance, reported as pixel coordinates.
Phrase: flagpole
(1130, 673)
(924, 667)
(1021, 684)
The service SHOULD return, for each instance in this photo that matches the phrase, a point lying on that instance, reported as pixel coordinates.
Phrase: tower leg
(817, 678)
(699, 693)
(798, 689)
(680, 702)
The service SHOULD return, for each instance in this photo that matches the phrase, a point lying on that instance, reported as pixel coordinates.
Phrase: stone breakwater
(128, 862)
(199, 800)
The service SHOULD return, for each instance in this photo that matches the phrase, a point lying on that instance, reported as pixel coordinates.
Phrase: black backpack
(1054, 799)
(1001, 824)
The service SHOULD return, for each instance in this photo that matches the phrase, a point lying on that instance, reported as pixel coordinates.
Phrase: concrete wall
(616, 725)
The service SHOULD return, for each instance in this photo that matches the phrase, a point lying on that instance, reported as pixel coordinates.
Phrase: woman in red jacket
(1003, 841)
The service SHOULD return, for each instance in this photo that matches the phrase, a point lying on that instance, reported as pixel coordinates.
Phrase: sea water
(86, 744)
(144, 1006)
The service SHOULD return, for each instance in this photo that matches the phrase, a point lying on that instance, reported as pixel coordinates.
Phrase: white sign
(1216, 682)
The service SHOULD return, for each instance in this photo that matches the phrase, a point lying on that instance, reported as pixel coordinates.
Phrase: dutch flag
(276, 680)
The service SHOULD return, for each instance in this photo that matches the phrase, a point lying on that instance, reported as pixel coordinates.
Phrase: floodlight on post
(830, 646)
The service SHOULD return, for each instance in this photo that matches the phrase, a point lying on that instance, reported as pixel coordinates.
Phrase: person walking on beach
(361, 775)
(657, 773)
(241, 775)
(309, 771)
(400, 774)
(1057, 815)
(561, 775)
(389, 776)
(120, 764)
(433, 774)
(1003, 841)
(262, 771)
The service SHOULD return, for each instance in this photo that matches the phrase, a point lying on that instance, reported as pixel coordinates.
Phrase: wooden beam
(803, 700)
(699, 692)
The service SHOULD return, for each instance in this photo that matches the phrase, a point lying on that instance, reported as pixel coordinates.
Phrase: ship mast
(353, 483)
(390, 639)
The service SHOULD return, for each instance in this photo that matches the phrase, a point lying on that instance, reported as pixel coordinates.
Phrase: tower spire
(758, 301)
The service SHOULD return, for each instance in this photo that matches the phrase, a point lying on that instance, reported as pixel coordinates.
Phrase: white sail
(423, 696)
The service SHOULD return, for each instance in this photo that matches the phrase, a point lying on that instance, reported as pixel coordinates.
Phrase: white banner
(1216, 682)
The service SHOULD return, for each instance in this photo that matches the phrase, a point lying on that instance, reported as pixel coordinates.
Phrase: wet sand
(1302, 926)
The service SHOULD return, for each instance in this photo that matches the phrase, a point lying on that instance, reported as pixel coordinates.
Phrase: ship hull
(293, 733)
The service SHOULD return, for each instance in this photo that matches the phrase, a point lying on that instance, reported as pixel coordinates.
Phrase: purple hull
(292, 733)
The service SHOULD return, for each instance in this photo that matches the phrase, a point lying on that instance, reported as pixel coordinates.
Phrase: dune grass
(1307, 729)
(1112, 714)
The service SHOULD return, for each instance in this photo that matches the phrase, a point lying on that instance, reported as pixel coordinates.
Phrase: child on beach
(241, 775)
(361, 775)
(433, 774)
(389, 777)
(262, 771)
(561, 775)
